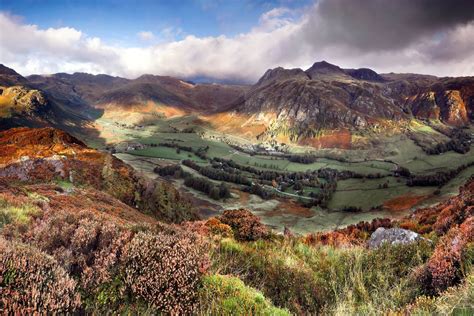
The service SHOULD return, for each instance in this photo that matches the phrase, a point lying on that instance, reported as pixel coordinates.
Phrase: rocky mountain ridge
(326, 97)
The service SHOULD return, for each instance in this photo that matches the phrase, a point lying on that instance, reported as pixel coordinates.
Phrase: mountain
(326, 97)
(102, 90)
(9, 77)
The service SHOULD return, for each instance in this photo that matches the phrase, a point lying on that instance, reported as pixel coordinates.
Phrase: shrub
(457, 300)
(246, 226)
(446, 267)
(164, 270)
(216, 227)
(33, 282)
(87, 245)
(226, 295)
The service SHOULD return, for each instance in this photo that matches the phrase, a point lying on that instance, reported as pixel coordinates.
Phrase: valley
(310, 150)
(376, 192)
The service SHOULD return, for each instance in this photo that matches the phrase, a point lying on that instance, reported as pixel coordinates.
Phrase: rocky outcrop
(392, 236)
(454, 112)
(21, 100)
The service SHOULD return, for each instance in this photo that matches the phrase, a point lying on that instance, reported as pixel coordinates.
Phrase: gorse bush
(164, 270)
(246, 226)
(31, 281)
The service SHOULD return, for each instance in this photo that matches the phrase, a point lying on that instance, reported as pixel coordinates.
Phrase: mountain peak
(280, 73)
(364, 74)
(323, 68)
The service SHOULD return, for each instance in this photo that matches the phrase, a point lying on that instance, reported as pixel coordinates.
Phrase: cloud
(424, 36)
(146, 35)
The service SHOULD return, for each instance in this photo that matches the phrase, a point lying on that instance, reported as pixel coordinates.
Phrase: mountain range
(293, 102)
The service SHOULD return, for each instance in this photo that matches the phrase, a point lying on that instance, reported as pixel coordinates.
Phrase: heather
(63, 254)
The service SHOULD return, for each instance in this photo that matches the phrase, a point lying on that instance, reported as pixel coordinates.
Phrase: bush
(226, 295)
(246, 226)
(33, 282)
(286, 282)
(446, 266)
(216, 227)
(164, 270)
(87, 245)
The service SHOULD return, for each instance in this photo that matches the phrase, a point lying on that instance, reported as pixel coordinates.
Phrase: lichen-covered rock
(392, 236)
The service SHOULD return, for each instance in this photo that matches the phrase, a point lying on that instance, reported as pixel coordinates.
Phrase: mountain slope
(102, 90)
(327, 97)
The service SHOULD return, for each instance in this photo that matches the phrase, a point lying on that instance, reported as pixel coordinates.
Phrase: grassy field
(279, 212)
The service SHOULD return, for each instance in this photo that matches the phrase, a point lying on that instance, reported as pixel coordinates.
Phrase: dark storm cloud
(384, 24)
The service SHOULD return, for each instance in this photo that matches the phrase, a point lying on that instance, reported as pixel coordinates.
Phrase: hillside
(101, 90)
(76, 237)
(301, 104)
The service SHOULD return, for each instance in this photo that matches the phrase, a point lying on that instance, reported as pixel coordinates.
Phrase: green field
(363, 193)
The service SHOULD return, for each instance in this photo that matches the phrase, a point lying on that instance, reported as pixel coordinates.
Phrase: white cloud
(146, 35)
(282, 38)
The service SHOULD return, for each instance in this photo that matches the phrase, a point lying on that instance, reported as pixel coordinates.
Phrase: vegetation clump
(31, 281)
(164, 270)
(246, 226)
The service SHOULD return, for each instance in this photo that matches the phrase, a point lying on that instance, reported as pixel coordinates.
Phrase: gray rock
(392, 236)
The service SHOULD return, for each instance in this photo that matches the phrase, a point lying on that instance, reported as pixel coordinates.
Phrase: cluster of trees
(437, 179)
(460, 143)
(201, 152)
(304, 159)
(217, 172)
(171, 170)
(214, 191)
(259, 190)
(351, 209)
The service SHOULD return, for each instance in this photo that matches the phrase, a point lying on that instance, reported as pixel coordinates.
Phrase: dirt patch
(404, 202)
(289, 208)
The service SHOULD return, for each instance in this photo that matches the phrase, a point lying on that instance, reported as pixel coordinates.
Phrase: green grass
(324, 279)
(227, 295)
(165, 153)
(11, 213)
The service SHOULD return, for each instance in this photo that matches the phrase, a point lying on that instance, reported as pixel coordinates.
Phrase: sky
(235, 40)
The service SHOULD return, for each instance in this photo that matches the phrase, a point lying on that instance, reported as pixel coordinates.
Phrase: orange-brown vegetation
(238, 124)
(245, 225)
(47, 154)
(334, 139)
(351, 235)
(444, 268)
(403, 202)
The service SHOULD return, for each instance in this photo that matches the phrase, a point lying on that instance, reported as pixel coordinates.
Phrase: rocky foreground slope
(51, 155)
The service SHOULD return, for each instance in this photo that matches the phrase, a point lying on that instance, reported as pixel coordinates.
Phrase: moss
(227, 295)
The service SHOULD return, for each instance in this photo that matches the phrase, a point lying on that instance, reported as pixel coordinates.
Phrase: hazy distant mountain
(98, 90)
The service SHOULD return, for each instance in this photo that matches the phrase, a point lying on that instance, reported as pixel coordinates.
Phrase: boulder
(392, 236)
